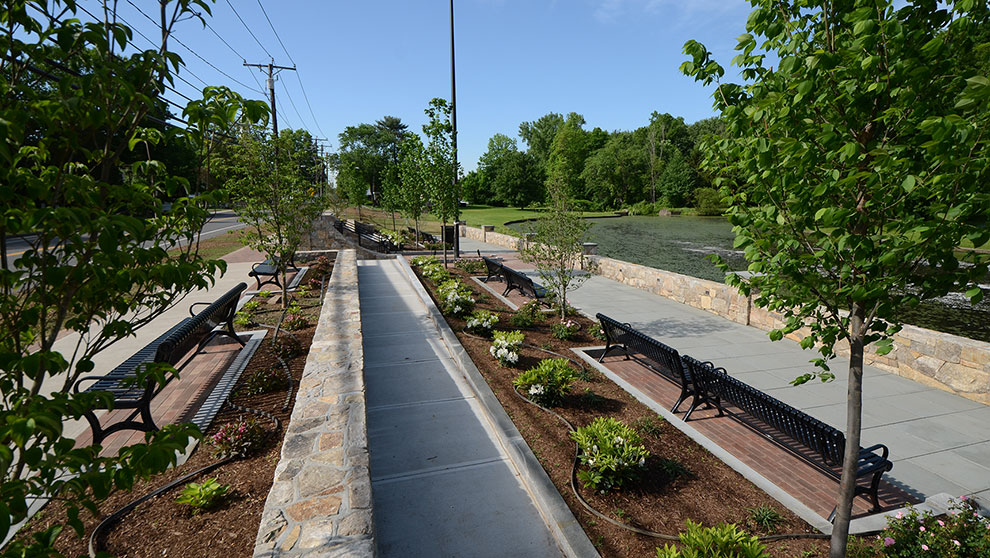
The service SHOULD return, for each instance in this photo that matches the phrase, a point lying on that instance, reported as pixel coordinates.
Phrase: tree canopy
(858, 166)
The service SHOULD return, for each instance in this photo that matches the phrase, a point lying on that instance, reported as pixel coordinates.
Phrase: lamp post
(453, 121)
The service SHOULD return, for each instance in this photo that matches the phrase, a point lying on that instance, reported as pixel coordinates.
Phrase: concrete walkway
(939, 442)
(442, 481)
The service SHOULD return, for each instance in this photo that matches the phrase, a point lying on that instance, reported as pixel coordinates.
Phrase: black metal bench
(493, 268)
(519, 282)
(658, 357)
(170, 348)
(802, 435)
(269, 268)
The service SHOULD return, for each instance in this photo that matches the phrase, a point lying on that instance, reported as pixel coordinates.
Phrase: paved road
(219, 223)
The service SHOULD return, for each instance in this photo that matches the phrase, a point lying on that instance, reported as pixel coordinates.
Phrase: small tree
(412, 162)
(81, 187)
(557, 246)
(863, 159)
(439, 168)
(272, 192)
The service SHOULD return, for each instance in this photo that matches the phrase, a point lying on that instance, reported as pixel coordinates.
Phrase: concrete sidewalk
(939, 442)
(444, 479)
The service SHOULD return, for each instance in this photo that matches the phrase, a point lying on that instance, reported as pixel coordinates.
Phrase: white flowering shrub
(455, 297)
(611, 452)
(548, 382)
(482, 322)
(431, 268)
(505, 347)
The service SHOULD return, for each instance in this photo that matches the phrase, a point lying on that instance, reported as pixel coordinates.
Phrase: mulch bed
(161, 526)
(710, 492)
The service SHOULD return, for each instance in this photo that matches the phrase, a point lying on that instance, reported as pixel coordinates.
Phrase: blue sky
(613, 61)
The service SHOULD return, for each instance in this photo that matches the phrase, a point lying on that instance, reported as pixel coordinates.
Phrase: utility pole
(453, 121)
(271, 87)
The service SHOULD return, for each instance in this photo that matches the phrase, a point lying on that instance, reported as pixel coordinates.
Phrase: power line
(279, 39)
(249, 30)
(298, 75)
(232, 49)
(196, 54)
(291, 102)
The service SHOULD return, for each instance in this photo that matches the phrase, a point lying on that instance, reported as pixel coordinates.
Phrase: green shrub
(264, 294)
(722, 541)
(642, 208)
(203, 496)
(548, 382)
(962, 534)
(597, 332)
(470, 266)
(238, 438)
(243, 319)
(286, 347)
(649, 425)
(564, 329)
(455, 297)
(482, 322)
(709, 201)
(265, 380)
(294, 319)
(585, 205)
(251, 305)
(506, 346)
(765, 517)
(611, 452)
(527, 315)
(431, 268)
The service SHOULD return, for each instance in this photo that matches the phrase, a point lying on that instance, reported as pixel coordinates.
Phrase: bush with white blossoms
(611, 452)
(431, 268)
(482, 322)
(455, 297)
(548, 382)
(505, 347)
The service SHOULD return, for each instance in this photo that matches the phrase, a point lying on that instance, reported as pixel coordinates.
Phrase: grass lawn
(473, 215)
(219, 246)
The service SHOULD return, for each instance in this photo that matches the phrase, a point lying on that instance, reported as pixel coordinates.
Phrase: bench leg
(610, 346)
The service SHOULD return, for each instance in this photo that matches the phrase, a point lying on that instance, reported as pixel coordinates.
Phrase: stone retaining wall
(320, 502)
(941, 360)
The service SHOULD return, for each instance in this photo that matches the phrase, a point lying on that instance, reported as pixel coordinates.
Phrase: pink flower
(924, 547)
(922, 528)
(899, 515)
(964, 498)
(955, 542)
(887, 541)
(941, 523)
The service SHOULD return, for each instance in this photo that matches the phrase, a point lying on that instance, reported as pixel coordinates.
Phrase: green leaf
(908, 184)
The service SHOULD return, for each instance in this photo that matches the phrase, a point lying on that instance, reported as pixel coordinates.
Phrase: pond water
(681, 244)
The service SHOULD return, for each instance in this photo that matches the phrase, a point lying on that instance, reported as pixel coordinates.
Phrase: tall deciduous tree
(539, 135)
(81, 188)
(270, 186)
(412, 174)
(864, 158)
(439, 168)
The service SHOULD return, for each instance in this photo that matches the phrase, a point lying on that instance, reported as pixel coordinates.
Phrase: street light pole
(453, 121)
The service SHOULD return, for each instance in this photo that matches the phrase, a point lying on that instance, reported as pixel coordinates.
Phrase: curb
(563, 525)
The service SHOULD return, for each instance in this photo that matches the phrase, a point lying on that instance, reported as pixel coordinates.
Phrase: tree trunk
(443, 240)
(285, 286)
(854, 422)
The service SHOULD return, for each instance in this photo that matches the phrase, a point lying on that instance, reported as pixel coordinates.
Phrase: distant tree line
(654, 166)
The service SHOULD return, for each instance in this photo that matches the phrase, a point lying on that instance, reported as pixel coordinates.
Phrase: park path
(442, 482)
(939, 442)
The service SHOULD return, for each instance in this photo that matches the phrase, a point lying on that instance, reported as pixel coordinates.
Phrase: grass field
(219, 246)
(473, 215)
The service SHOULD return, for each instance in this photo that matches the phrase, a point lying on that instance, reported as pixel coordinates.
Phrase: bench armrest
(256, 264)
(192, 311)
(75, 386)
(873, 449)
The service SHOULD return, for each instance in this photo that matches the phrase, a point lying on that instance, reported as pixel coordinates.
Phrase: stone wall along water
(955, 364)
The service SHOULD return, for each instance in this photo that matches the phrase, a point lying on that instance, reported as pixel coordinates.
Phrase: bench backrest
(517, 279)
(827, 442)
(666, 359)
(494, 268)
(189, 334)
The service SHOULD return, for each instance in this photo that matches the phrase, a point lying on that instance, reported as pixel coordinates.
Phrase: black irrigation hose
(584, 503)
(116, 516)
